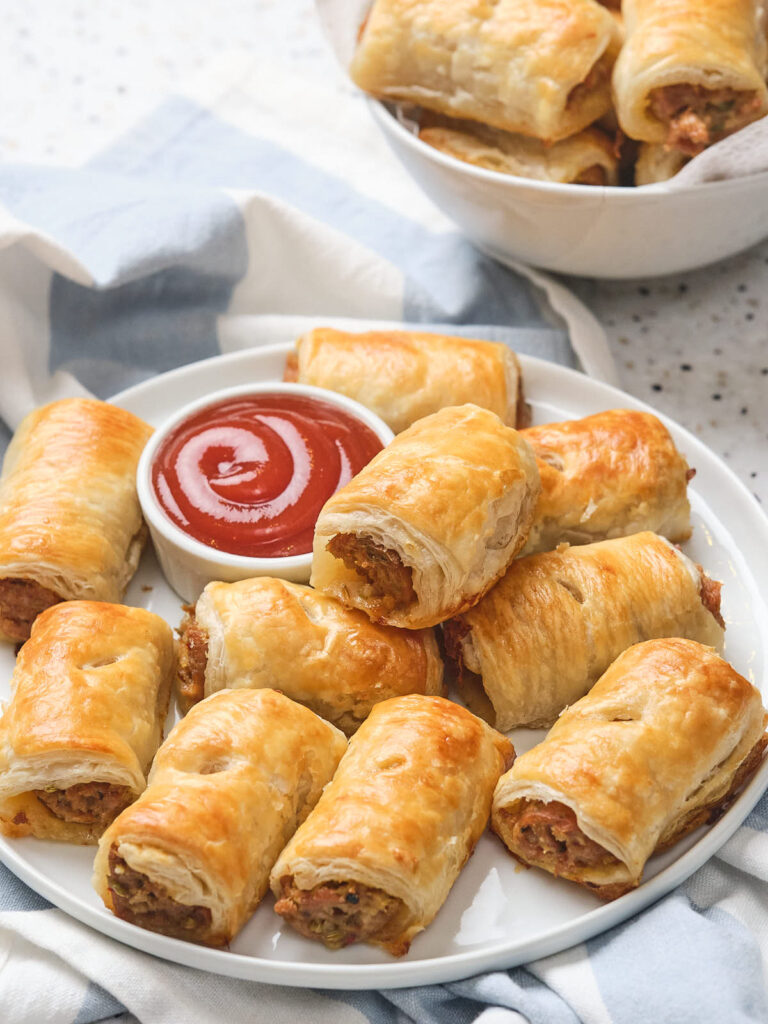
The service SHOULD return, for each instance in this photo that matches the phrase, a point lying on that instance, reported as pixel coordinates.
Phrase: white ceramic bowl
(587, 230)
(188, 564)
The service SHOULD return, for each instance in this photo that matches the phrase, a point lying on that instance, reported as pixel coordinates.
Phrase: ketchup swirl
(249, 475)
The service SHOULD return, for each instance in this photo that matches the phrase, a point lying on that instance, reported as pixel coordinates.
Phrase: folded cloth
(234, 216)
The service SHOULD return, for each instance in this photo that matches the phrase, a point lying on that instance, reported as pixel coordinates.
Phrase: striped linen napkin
(236, 214)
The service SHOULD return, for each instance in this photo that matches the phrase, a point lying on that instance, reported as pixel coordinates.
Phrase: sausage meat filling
(192, 661)
(21, 601)
(87, 803)
(136, 898)
(338, 913)
(697, 116)
(391, 582)
(547, 834)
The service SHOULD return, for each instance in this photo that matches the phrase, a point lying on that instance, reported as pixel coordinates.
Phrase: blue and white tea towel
(234, 216)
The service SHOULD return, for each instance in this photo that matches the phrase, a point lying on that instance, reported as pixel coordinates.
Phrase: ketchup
(250, 474)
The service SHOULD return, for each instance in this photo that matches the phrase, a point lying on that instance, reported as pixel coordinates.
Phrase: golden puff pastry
(661, 745)
(266, 632)
(70, 522)
(691, 73)
(89, 696)
(375, 860)
(655, 163)
(556, 621)
(587, 158)
(405, 375)
(537, 67)
(230, 785)
(428, 526)
(608, 475)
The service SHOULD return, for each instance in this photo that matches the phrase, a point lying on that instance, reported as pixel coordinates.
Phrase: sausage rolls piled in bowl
(562, 91)
(429, 525)
(70, 522)
(405, 375)
(267, 632)
(89, 698)
(660, 745)
(377, 857)
(608, 475)
(557, 620)
(191, 858)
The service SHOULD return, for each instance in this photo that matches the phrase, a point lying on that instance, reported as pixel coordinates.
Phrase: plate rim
(454, 966)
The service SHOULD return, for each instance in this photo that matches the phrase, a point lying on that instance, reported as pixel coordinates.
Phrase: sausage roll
(657, 163)
(556, 621)
(376, 858)
(405, 375)
(661, 745)
(691, 73)
(537, 67)
(608, 475)
(269, 633)
(431, 522)
(70, 522)
(587, 158)
(89, 698)
(230, 785)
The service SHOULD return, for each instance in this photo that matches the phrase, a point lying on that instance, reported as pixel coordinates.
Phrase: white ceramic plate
(497, 915)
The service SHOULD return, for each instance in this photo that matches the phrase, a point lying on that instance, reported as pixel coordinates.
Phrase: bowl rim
(389, 123)
(190, 547)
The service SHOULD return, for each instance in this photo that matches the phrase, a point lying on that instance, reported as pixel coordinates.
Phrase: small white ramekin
(188, 564)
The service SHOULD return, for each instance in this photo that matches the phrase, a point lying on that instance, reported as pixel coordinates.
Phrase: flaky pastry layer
(555, 622)
(587, 158)
(537, 67)
(608, 475)
(403, 376)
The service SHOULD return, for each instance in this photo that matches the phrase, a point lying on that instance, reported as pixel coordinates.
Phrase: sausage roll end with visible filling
(429, 525)
(90, 694)
(661, 745)
(377, 857)
(70, 521)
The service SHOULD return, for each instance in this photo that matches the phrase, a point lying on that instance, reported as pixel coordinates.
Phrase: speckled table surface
(695, 346)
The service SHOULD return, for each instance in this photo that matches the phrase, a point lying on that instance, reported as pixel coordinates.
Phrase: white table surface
(73, 74)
